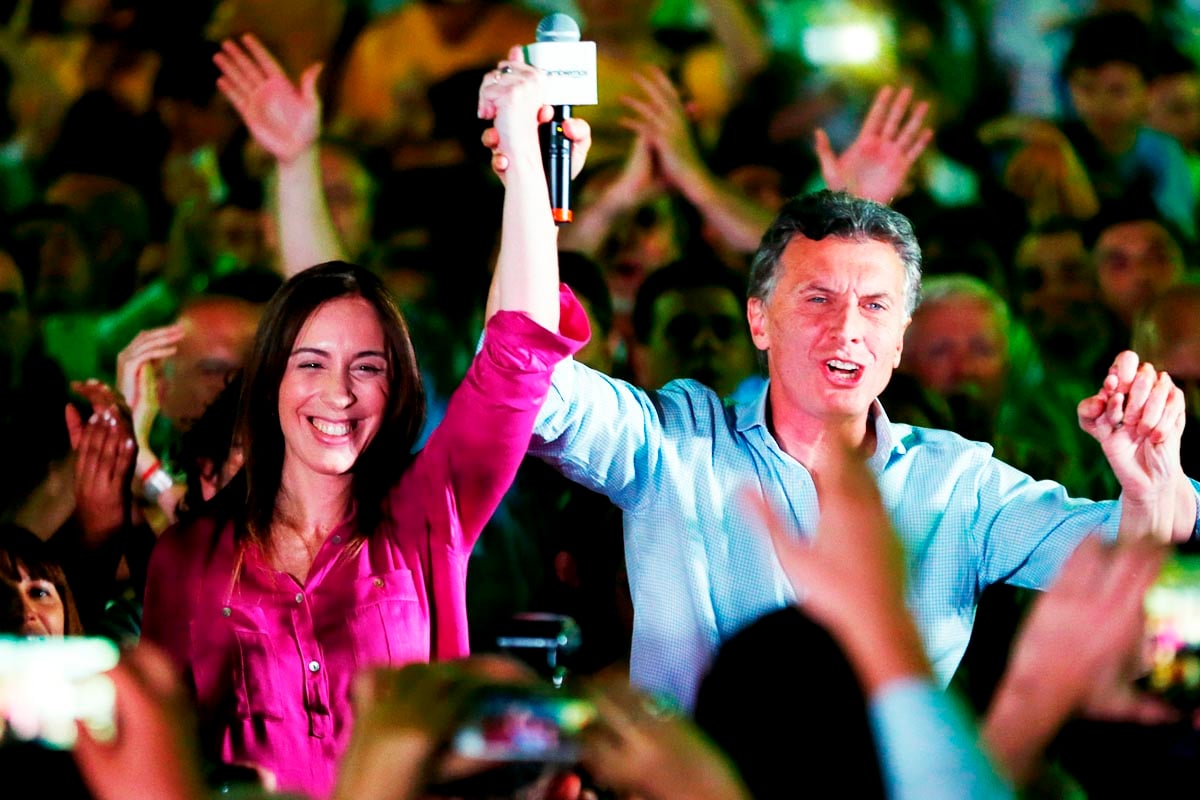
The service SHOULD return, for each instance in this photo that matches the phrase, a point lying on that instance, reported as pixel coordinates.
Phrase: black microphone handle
(556, 156)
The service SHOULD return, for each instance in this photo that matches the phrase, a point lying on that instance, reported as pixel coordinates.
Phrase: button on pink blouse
(271, 661)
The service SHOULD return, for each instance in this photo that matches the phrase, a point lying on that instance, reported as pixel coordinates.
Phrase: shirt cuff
(928, 747)
(516, 341)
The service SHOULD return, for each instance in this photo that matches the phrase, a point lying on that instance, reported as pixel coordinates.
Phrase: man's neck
(810, 440)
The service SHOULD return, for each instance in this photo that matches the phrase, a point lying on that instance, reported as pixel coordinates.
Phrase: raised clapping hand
(285, 119)
(1045, 171)
(515, 82)
(659, 117)
(1138, 417)
(136, 381)
(877, 162)
(104, 455)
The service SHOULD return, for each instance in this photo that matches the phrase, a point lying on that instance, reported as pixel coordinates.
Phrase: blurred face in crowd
(1111, 101)
(1135, 261)
(1057, 292)
(643, 241)
(1175, 107)
(698, 333)
(959, 345)
(218, 333)
(16, 324)
(63, 266)
(237, 233)
(42, 607)
(833, 327)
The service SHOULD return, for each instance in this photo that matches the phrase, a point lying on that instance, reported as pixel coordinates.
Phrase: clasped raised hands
(511, 97)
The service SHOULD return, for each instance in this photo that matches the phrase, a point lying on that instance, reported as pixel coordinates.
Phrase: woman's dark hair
(208, 444)
(21, 549)
(258, 428)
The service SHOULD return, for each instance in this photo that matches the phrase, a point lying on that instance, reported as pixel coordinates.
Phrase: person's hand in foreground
(153, 754)
(1077, 653)
(850, 578)
(637, 749)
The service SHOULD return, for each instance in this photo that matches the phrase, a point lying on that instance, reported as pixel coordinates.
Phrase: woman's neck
(312, 505)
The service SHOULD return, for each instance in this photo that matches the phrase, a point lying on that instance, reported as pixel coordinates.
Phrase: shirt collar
(889, 437)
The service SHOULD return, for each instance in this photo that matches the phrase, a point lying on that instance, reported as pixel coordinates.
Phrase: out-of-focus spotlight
(846, 43)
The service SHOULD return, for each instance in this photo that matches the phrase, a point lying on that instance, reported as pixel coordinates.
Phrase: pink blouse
(271, 660)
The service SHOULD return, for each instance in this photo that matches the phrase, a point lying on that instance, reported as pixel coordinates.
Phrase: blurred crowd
(154, 197)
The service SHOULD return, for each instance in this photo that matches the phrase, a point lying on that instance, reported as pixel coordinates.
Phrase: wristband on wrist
(151, 470)
(157, 482)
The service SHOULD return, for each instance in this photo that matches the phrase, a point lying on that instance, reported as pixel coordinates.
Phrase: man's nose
(848, 323)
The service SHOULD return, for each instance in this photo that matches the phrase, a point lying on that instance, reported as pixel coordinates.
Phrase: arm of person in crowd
(636, 749)
(1044, 171)
(1077, 652)
(285, 120)
(526, 275)
(92, 551)
(851, 580)
(658, 115)
(152, 753)
(136, 369)
(741, 36)
(878, 162)
(1137, 416)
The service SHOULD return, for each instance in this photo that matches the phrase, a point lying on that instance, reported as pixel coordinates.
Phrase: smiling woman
(338, 548)
(36, 600)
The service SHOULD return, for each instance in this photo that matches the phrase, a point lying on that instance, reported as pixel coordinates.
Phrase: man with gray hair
(832, 290)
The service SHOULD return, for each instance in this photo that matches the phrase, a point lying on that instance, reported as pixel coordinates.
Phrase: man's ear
(756, 315)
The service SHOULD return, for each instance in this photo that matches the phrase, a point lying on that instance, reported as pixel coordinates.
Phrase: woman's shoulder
(193, 540)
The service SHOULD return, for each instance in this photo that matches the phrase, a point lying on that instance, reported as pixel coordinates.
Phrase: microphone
(569, 68)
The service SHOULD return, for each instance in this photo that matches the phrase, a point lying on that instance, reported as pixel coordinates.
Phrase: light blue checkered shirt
(677, 461)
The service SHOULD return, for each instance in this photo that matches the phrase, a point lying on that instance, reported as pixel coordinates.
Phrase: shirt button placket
(316, 684)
